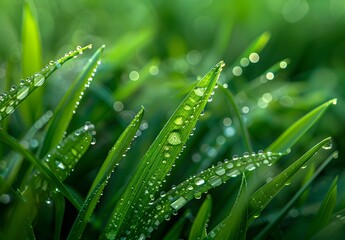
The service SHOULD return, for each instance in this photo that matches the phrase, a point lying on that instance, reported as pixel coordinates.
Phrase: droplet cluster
(10, 100)
(169, 203)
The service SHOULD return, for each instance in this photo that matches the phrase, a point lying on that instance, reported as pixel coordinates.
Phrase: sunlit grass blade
(234, 226)
(17, 94)
(244, 130)
(168, 204)
(59, 203)
(261, 198)
(277, 219)
(115, 155)
(174, 232)
(198, 230)
(299, 128)
(31, 61)
(66, 108)
(159, 159)
(325, 211)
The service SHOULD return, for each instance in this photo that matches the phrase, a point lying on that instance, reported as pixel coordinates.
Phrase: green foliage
(56, 182)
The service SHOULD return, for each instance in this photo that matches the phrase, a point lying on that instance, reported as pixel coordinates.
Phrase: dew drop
(199, 181)
(233, 173)
(215, 181)
(328, 145)
(250, 167)
(230, 165)
(174, 138)
(9, 109)
(178, 121)
(177, 204)
(187, 107)
(23, 92)
(38, 80)
(220, 171)
(199, 91)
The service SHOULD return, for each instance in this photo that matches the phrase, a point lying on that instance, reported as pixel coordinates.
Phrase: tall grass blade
(334, 230)
(175, 231)
(234, 226)
(66, 108)
(159, 159)
(17, 94)
(277, 219)
(112, 160)
(198, 230)
(265, 194)
(324, 214)
(299, 128)
(31, 62)
(59, 202)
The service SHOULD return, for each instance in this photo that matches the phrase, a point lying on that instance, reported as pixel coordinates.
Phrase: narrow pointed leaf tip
(17, 94)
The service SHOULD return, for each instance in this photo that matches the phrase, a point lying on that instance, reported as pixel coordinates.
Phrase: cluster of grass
(242, 147)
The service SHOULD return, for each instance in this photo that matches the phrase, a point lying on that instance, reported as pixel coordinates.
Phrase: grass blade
(10, 100)
(31, 61)
(69, 103)
(335, 229)
(113, 158)
(299, 128)
(59, 202)
(160, 157)
(198, 230)
(195, 186)
(325, 212)
(265, 194)
(274, 223)
(174, 232)
(234, 226)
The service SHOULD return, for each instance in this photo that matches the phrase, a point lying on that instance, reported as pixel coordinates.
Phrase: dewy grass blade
(69, 103)
(31, 61)
(198, 230)
(174, 231)
(169, 203)
(296, 131)
(10, 100)
(159, 159)
(323, 216)
(261, 198)
(274, 223)
(234, 226)
(59, 203)
(113, 158)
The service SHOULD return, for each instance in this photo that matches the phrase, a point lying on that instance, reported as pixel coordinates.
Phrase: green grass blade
(175, 231)
(244, 130)
(296, 131)
(69, 103)
(274, 223)
(113, 158)
(335, 229)
(323, 216)
(234, 226)
(59, 202)
(265, 194)
(198, 230)
(10, 100)
(31, 61)
(160, 157)
(194, 187)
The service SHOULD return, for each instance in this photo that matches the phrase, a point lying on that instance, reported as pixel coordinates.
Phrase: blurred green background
(155, 50)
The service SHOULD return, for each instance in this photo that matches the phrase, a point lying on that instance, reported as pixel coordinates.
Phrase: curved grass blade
(194, 187)
(299, 128)
(112, 160)
(159, 159)
(265, 194)
(17, 94)
(243, 128)
(234, 226)
(198, 230)
(323, 216)
(274, 223)
(66, 108)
